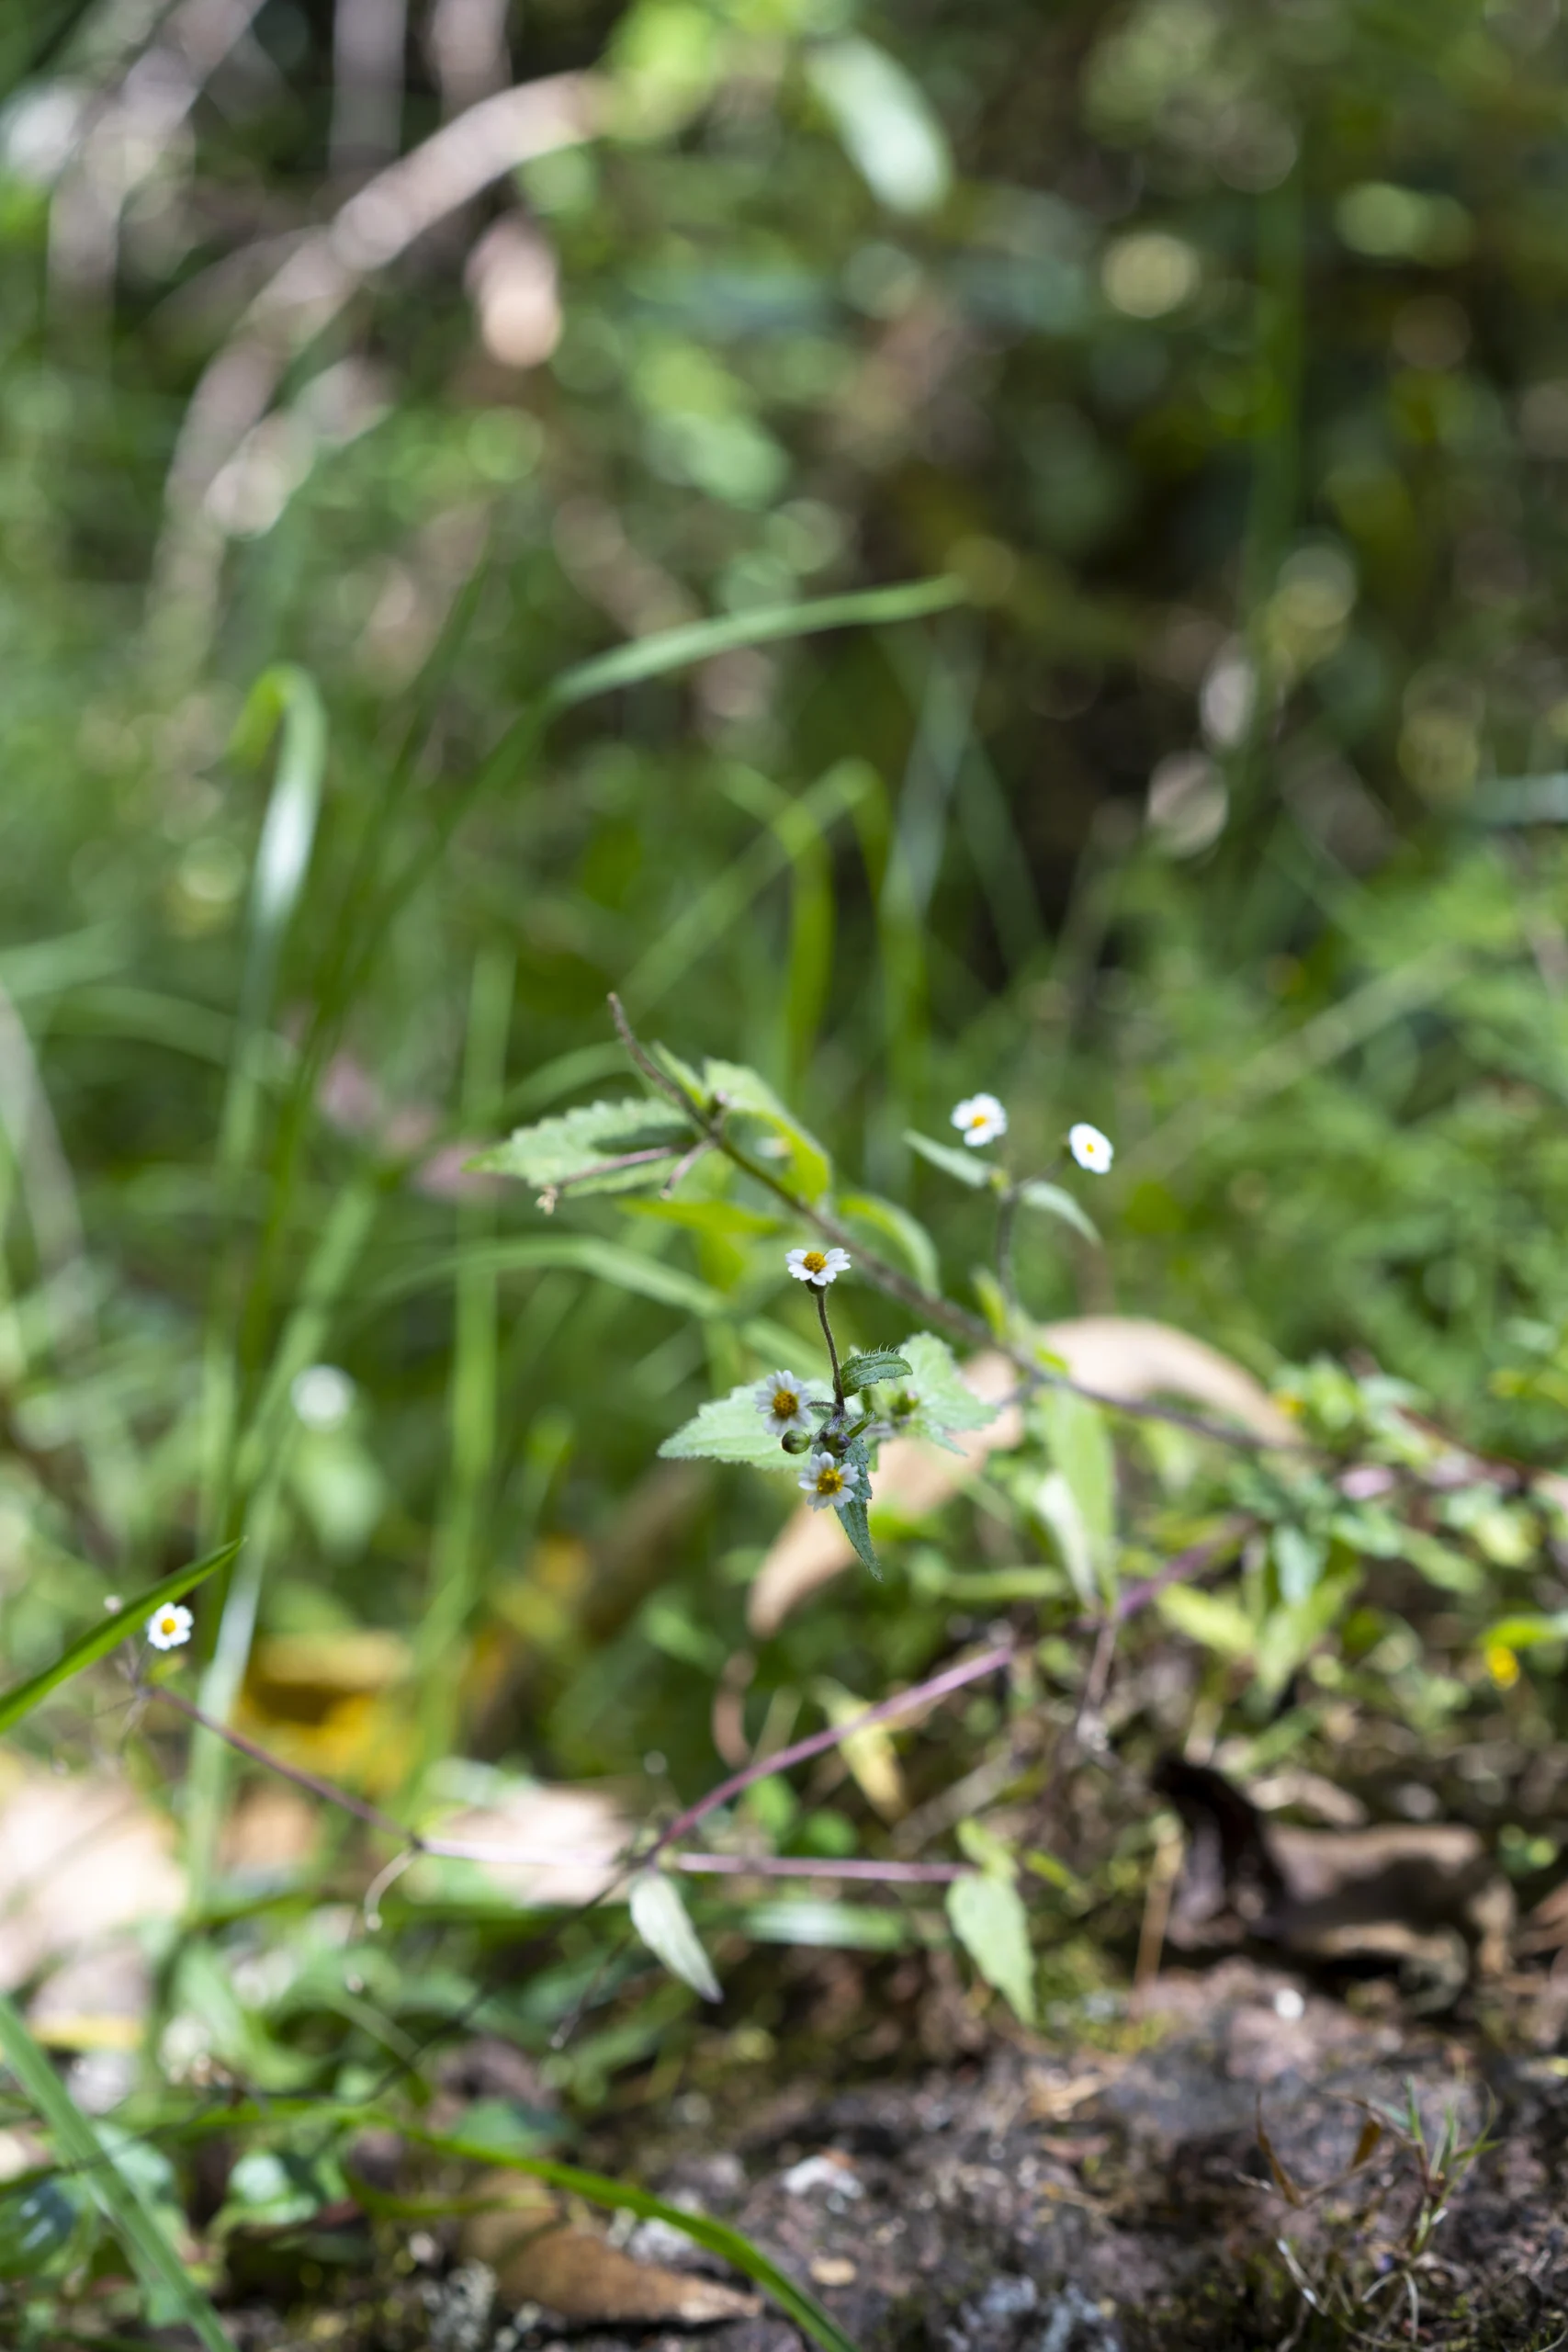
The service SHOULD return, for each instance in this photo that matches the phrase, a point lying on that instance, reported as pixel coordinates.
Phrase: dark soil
(1188, 2179)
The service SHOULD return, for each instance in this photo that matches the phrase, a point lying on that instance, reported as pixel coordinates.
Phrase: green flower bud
(797, 1442)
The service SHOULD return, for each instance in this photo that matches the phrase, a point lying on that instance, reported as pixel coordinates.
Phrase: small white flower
(826, 1482)
(818, 1267)
(169, 1626)
(1091, 1148)
(979, 1118)
(782, 1401)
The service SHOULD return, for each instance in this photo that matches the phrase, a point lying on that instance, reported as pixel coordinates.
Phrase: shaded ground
(1116, 2199)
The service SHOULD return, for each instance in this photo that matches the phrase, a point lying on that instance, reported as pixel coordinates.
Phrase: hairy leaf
(557, 1151)
(855, 1515)
(731, 1429)
(946, 1403)
(877, 1363)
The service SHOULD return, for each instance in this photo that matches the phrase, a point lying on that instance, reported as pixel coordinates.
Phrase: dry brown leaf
(82, 1862)
(540, 1843)
(579, 2274)
(1121, 1355)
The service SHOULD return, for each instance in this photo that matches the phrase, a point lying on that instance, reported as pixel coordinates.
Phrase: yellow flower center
(813, 1261)
(785, 1403)
(830, 1479)
(167, 1625)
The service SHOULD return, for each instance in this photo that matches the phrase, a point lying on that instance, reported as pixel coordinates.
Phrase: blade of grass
(729, 2245)
(678, 648)
(100, 1639)
(116, 2193)
(472, 1399)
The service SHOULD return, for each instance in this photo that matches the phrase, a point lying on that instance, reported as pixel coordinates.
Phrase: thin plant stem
(809, 1866)
(821, 1297)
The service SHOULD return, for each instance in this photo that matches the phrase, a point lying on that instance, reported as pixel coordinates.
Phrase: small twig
(683, 1166)
(808, 1866)
(952, 1678)
(370, 1815)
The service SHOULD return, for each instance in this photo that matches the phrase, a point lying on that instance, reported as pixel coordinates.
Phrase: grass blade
(117, 2194)
(729, 2245)
(100, 1639)
(677, 649)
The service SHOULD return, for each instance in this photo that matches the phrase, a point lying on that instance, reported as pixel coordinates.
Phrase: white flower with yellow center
(979, 1118)
(826, 1483)
(818, 1267)
(781, 1400)
(170, 1626)
(1091, 1148)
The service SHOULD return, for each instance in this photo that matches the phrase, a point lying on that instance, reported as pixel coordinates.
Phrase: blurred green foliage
(1214, 354)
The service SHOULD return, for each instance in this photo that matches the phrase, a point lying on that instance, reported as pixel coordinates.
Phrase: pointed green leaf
(731, 1429)
(661, 1919)
(906, 1233)
(557, 1151)
(1057, 1506)
(1210, 1619)
(855, 1515)
(98, 1640)
(946, 1402)
(788, 1149)
(115, 2185)
(989, 1920)
(877, 1363)
(1052, 1200)
(980, 1175)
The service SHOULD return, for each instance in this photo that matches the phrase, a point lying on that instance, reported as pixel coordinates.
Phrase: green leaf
(980, 1175)
(661, 1917)
(990, 1922)
(731, 1429)
(1288, 1634)
(681, 648)
(906, 1233)
(946, 1403)
(1298, 1559)
(101, 1638)
(680, 1072)
(855, 1515)
(803, 1163)
(1527, 1633)
(38, 2227)
(729, 2245)
(890, 131)
(1052, 1200)
(1210, 1619)
(874, 1365)
(1079, 1438)
(557, 1151)
(115, 2187)
(1057, 1506)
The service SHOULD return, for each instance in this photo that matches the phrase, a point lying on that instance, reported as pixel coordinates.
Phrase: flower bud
(797, 1442)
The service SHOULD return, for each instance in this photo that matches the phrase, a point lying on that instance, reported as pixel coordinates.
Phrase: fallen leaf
(539, 1844)
(579, 2274)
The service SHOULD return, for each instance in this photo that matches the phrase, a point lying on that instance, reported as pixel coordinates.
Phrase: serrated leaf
(874, 1365)
(855, 1515)
(557, 1151)
(946, 1402)
(990, 1922)
(731, 1429)
(906, 1232)
(980, 1175)
(1051, 1201)
(661, 1919)
(803, 1162)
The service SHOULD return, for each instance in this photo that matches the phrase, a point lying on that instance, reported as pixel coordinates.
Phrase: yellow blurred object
(331, 1704)
(1502, 1665)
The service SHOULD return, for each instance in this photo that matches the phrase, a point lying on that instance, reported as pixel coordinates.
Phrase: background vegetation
(1213, 354)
